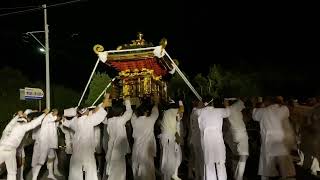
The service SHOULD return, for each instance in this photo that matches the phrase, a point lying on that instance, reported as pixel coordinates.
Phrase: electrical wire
(14, 8)
(65, 3)
(20, 12)
(37, 8)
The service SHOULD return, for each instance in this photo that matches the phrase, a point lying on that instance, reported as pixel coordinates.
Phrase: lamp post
(45, 49)
(46, 29)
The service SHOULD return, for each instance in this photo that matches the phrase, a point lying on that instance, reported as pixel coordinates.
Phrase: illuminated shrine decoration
(141, 70)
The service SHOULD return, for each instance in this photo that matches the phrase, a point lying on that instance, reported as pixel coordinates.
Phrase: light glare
(42, 49)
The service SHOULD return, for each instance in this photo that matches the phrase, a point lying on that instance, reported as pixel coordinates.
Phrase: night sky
(247, 37)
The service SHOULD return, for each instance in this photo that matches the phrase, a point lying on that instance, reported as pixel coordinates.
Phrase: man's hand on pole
(46, 111)
(106, 101)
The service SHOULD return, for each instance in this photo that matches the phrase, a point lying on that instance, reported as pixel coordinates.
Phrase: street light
(42, 50)
(45, 49)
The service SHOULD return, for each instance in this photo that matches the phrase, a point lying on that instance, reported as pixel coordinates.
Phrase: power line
(65, 3)
(14, 8)
(38, 8)
(20, 12)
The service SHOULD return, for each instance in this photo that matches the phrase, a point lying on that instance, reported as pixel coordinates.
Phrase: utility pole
(46, 47)
(46, 30)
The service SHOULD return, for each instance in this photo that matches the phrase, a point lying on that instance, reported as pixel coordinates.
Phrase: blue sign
(31, 93)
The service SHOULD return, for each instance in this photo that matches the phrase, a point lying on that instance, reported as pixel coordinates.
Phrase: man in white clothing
(276, 140)
(45, 145)
(68, 114)
(210, 123)
(10, 142)
(238, 137)
(118, 145)
(20, 149)
(169, 138)
(144, 147)
(98, 145)
(195, 141)
(82, 158)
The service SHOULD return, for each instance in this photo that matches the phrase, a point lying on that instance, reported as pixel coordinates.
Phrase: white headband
(27, 111)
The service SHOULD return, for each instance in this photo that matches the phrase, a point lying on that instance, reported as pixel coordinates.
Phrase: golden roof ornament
(138, 43)
(163, 43)
(98, 48)
(140, 40)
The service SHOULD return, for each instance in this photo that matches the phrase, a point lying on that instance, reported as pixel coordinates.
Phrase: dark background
(277, 40)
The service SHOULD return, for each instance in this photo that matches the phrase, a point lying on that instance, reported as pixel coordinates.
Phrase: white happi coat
(14, 138)
(46, 139)
(97, 137)
(7, 131)
(274, 137)
(210, 124)
(236, 117)
(118, 145)
(10, 126)
(144, 147)
(84, 145)
(168, 142)
(238, 128)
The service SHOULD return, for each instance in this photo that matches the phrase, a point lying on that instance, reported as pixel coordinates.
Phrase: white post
(85, 90)
(46, 29)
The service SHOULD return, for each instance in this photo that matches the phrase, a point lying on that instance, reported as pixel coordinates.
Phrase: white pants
(178, 153)
(40, 156)
(145, 172)
(8, 156)
(77, 168)
(117, 169)
(168, 156)
(143, 169)
(216, 172)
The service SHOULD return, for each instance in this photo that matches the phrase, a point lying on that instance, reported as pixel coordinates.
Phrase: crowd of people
(91, 132)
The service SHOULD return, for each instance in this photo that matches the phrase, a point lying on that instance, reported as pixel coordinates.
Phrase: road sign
(31, 93)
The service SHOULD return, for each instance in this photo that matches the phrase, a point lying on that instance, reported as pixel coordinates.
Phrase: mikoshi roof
(136, 56)
(139, 56)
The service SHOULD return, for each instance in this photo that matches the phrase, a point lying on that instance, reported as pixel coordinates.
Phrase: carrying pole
(184, 77)
(103, 92)
(85, 89)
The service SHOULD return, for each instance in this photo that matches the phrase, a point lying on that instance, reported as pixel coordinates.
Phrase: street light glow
(42, 50)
